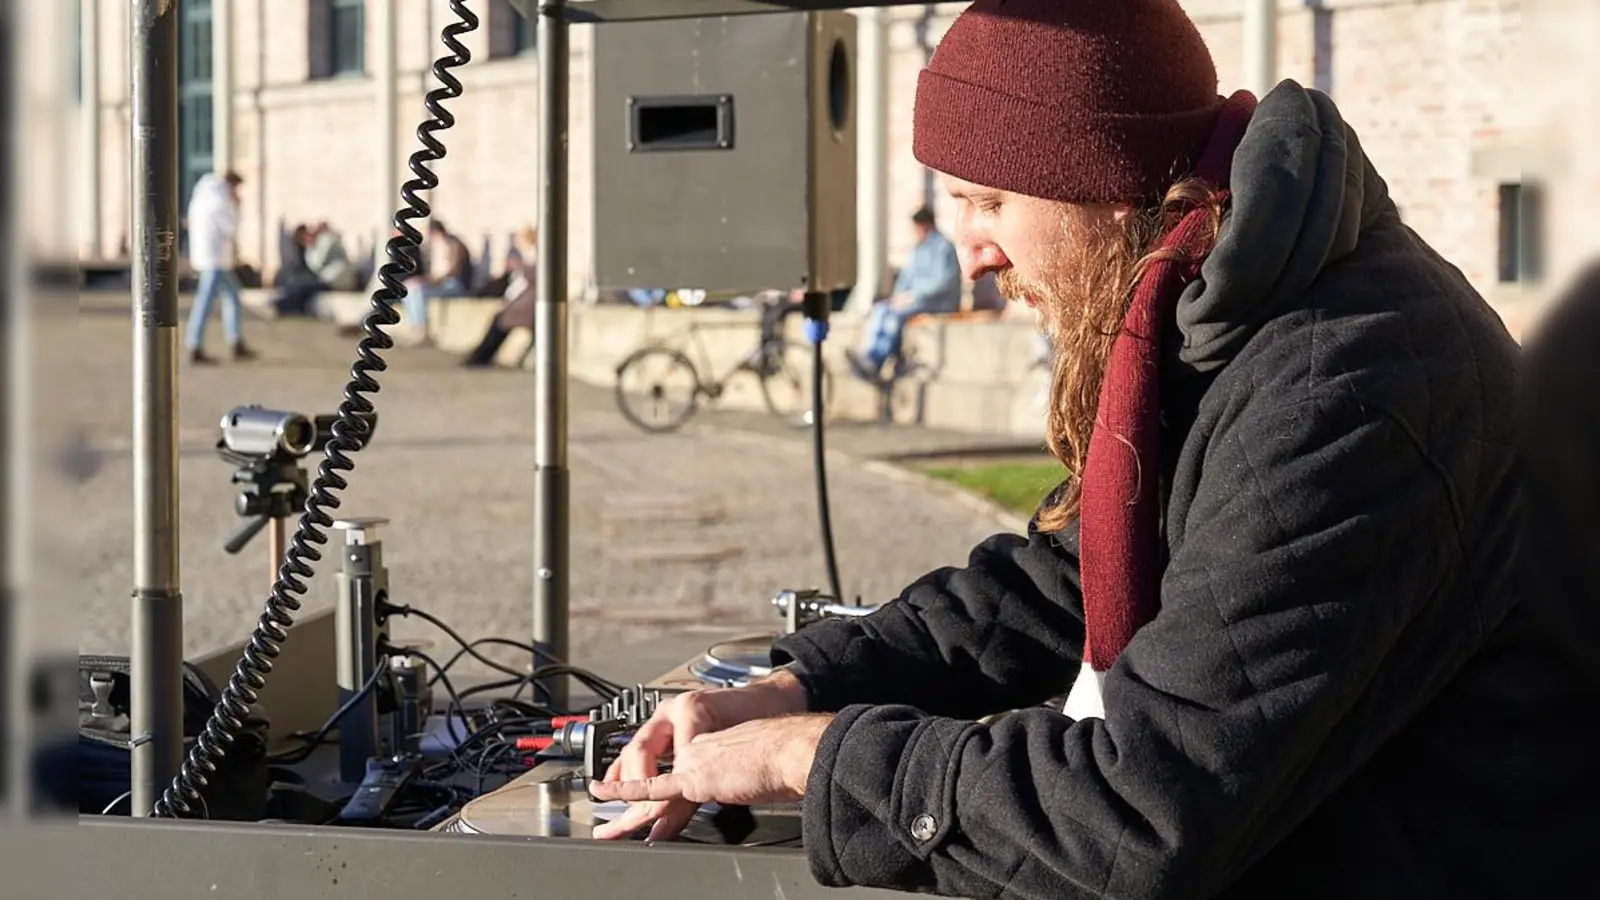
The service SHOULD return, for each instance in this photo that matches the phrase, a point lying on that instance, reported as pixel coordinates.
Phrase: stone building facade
(1451, 108)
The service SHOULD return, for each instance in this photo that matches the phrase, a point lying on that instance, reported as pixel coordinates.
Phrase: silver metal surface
(601, 11)
(182, 860)
(362, 580)
(157, 628)
(551, 485)
(802, 608)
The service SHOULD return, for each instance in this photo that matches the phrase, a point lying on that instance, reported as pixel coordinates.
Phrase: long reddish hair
(1082, 333)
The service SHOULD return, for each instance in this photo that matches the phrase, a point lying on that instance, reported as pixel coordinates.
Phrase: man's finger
(661, 787)
(632, 819)
(673, 820)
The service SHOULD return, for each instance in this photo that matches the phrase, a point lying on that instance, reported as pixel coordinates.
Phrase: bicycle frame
(690, 334)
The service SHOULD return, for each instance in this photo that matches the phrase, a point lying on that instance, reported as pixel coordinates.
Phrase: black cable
(450, 689)
(817, 331)
(312, 743)
(589, 679)
(350, 430)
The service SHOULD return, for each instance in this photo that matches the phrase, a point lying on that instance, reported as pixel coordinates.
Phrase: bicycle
(782, 368)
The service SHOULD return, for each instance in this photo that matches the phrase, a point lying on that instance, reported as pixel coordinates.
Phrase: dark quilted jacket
(1344, 695)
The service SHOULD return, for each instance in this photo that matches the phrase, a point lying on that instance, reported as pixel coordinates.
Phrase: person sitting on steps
(929, 283)
(522, 267)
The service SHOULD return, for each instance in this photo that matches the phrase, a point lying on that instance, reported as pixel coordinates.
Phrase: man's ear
(1121, 211)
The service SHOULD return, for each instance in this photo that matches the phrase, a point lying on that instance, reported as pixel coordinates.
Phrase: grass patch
(1018, 486)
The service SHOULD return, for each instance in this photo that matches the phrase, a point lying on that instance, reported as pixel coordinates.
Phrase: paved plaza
(684, 531)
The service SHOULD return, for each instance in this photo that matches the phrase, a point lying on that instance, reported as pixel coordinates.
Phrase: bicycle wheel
(657, 389)
(785, 375)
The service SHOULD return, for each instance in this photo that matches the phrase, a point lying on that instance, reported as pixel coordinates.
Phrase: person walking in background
(213, 223)
(929, 283)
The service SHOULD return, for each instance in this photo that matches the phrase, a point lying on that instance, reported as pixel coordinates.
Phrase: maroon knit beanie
(1085, 101)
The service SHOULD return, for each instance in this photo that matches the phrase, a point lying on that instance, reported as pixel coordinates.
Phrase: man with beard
(1281, 576)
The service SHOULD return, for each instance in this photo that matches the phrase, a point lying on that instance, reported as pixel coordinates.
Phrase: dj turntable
(551, 800)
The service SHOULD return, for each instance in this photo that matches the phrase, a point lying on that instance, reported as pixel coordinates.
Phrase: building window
(338, 37)
(1521, 243)
(510, 32)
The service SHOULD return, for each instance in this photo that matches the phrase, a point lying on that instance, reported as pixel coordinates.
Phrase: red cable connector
(535, 744)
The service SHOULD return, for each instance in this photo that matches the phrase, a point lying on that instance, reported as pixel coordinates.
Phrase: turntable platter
(549, 803)
(735, 663)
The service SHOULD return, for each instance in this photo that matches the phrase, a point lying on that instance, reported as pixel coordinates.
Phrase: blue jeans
(212, 280)
(885, 326)
(418, 292)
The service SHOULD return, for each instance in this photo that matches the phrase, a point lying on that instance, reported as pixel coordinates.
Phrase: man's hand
(675, 725)
(759, 762)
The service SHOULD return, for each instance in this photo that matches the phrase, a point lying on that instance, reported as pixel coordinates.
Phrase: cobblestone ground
(668, 532)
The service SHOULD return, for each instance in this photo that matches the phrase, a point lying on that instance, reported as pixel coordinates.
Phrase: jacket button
(923, 827)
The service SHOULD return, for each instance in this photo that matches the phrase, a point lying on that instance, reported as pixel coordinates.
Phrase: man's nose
(978, 260)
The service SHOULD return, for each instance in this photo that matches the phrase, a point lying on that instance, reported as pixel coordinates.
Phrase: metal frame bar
(268, 862)
(157, 628)
(181, 859)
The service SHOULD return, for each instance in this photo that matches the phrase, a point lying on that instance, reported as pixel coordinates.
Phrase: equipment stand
(275, 490)
(157, 638)
(551, 480)
(363, 584)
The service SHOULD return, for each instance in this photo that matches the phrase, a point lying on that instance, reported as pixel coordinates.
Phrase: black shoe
(198, 357)
(242, 353)
(861, 368)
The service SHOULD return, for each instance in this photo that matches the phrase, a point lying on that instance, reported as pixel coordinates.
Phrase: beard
(1082, 293)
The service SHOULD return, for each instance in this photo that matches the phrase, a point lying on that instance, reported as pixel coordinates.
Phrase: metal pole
(384, 77)
(872, 165)
(15, 559)
(89, 74)
(551, 484)
(222, 85)
(277, 546)
(157, 636)
(1260, 46)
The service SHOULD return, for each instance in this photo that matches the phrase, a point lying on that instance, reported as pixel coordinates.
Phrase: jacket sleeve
(1004, 632)
(1317, 531)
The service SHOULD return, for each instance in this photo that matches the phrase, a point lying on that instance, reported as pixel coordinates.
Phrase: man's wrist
(784, 683)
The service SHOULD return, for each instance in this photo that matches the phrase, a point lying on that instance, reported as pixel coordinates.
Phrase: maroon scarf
(1119, 524)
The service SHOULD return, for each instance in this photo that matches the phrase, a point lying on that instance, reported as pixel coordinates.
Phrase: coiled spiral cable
(349, 435)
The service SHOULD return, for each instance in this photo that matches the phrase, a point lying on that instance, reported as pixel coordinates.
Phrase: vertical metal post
(1260, 46)
(157, 635)
(16, 562)
(362, 581)
(89, 75)
(551, 485)
(222, 85)
(386, 81)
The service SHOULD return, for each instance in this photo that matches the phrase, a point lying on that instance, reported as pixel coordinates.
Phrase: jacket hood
(1302, 192)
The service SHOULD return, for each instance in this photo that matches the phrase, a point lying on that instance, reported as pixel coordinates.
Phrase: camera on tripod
(266, 446)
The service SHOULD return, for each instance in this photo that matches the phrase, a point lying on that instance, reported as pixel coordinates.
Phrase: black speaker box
(725, 153)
